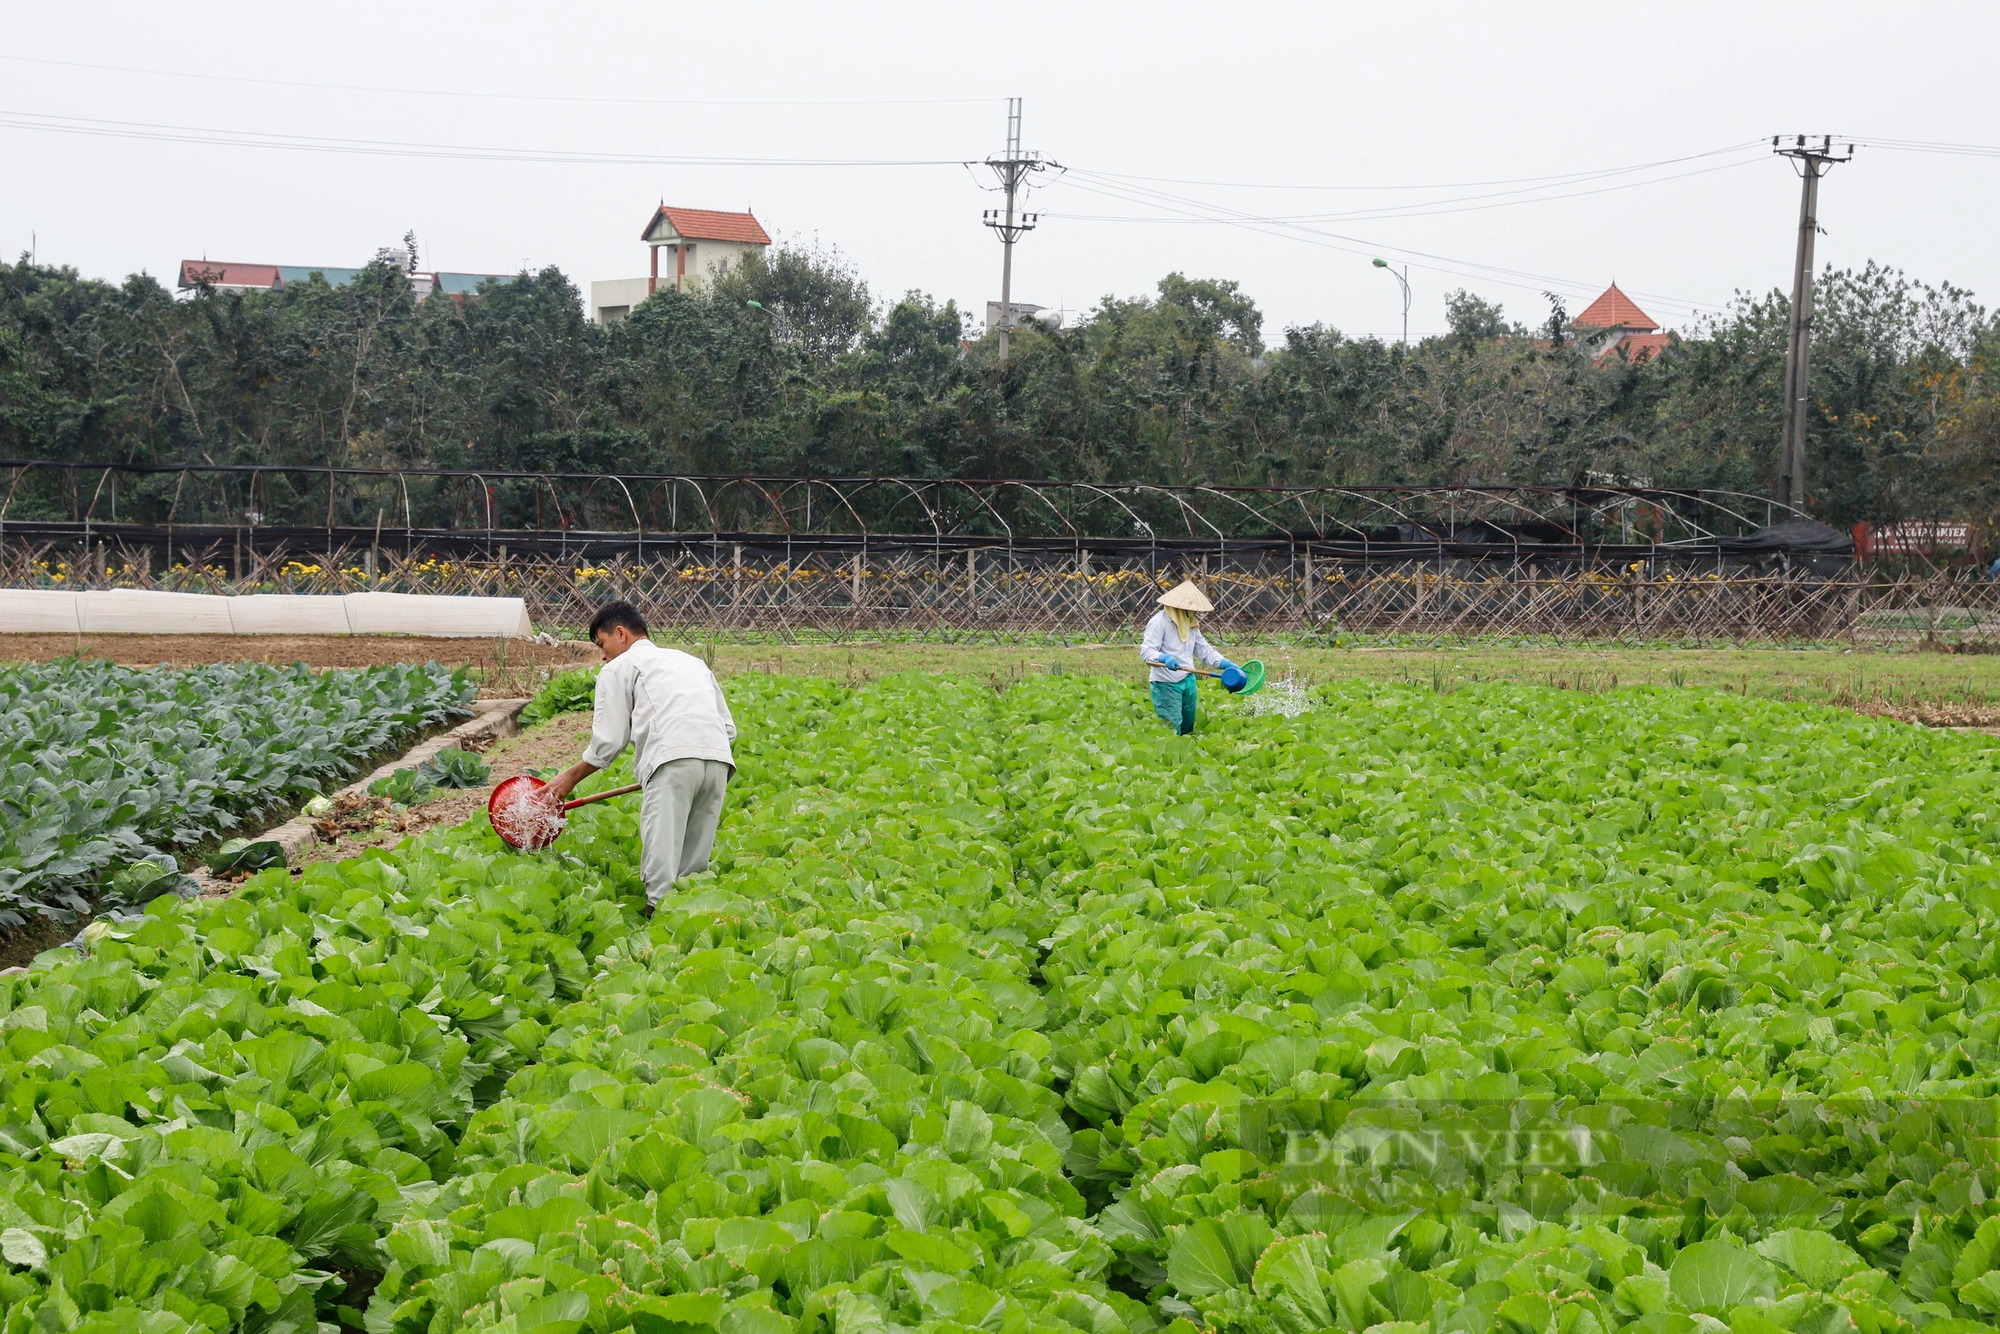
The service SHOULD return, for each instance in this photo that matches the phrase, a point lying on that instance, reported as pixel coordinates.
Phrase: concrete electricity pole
(1012, 169)
(1812, 163)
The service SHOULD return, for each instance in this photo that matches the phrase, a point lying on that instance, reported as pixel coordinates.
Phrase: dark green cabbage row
(101, 765)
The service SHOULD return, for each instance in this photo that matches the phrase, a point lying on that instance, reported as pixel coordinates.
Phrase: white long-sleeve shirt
(1163, 638)
(663, 703)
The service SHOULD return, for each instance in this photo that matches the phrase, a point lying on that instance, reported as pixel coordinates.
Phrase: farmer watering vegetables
(667, 706)
(1174, 642)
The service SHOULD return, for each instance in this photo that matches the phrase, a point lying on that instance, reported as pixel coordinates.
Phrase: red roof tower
(707, 224)
(1615, 310)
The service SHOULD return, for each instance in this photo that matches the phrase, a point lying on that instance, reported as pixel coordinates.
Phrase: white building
(699, 243)
(1024, 313)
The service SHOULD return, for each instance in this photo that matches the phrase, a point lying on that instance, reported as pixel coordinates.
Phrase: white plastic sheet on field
(289, 614)
(140, 611)
(432, 614)
(35, 611)
(134, 611)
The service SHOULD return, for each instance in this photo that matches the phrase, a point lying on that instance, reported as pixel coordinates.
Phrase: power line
(1440, 262)
(1425, 209)
(1444, 264)
(1445, 185)
(308, 143)
(1926, 146)
(215, 137)
(509, 97)
(1125, 187)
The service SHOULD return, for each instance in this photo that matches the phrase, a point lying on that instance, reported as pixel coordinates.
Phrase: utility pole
(1811, 163)
(1012, 168)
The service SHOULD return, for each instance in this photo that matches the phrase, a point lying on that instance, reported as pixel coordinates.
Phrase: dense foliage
(1510, 1010)
(565, 692)
(105, 765)
(790, 367)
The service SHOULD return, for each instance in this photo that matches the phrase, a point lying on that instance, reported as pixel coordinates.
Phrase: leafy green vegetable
(1714, 1276)
(106, 764)
(566, 692)
(1509, 1010)
(453, 767)
(406, 786)
(242, 854)
(144, 880)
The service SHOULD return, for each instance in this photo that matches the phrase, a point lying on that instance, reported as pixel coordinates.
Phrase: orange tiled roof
(1638, 347)
(707, 224)
(220, 274)
(1615, 310)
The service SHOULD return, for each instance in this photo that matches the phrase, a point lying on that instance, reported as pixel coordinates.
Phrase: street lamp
(1404, 279)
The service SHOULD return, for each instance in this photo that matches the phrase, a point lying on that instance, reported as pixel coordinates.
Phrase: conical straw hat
(1187, 598)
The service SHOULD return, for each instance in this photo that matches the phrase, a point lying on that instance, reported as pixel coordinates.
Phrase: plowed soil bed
(313, 650)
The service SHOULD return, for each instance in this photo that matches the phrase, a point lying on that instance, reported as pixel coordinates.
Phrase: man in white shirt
(669, 708)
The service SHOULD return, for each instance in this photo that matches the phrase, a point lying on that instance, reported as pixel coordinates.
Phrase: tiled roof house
(698, 244)
(225, 276)
(1614, 323)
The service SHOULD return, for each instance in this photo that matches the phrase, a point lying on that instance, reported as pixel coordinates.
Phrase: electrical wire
(1191, 210)
(1923, 146)
(1426, 260)
(1188, 210)
(510, 97)
(1446, 185)
(309, 143)
(1173, 209)
(1435, 207)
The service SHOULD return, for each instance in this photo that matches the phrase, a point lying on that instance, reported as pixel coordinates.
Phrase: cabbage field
(105, 765)
(1507, 1009)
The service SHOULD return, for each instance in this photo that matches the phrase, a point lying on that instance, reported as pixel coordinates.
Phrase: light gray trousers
(678, 811)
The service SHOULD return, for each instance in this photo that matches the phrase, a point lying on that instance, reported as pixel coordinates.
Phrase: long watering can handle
(599, 796)
(1194, 671)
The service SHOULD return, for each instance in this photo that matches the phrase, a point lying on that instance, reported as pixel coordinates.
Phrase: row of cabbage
(1505, 1010)
(815, 1091)
(108, 765)
(1538, 1011)
(817, 1094)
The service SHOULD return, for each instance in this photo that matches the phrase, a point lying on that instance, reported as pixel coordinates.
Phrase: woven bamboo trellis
(985, 592)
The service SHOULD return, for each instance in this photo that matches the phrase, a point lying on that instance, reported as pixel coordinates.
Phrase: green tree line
(789, 365)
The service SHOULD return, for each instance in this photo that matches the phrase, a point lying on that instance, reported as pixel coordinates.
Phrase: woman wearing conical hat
(1173, 640)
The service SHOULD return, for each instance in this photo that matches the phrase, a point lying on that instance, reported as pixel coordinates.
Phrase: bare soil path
(555, 744)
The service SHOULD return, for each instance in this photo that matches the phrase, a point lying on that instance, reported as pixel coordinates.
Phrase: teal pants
(1174, 702)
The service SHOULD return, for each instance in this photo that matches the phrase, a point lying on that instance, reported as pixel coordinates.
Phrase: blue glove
(1225, 664)
(1233, 678)
(1170, 662)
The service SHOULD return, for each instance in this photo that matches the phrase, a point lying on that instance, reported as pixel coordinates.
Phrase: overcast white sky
(1337, 106)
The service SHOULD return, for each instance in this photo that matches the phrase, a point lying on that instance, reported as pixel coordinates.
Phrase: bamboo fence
(732, 591)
